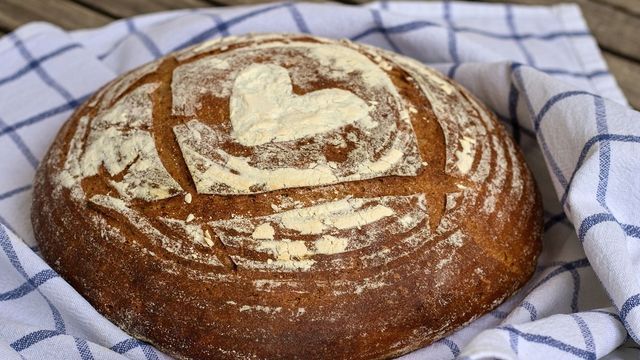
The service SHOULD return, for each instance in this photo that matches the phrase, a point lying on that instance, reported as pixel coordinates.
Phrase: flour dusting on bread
(120, 140)
(279, 196)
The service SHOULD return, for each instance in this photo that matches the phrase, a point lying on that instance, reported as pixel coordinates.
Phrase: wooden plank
(627, 73)
(64, 13)
(127, 8)
(630, 6)
(614, 29)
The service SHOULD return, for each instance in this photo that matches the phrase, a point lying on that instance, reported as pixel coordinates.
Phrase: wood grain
(63, 13)
(127, 8)
(631, 6)
(627, 73)
(613, 29)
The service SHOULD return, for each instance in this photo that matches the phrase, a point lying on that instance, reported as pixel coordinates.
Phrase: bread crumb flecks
(207, 238)
(263, 232)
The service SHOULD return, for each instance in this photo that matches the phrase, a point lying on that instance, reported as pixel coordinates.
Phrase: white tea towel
(537, 67)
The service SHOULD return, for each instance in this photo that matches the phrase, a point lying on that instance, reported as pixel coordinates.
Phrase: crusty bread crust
(196, 276)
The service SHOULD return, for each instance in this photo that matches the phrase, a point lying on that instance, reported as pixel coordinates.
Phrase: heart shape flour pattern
(264, 108)
(268, 117)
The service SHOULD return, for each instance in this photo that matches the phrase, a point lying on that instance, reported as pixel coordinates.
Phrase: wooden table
(614, 23)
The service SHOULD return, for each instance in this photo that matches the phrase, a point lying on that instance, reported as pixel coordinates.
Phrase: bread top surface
(288, 184)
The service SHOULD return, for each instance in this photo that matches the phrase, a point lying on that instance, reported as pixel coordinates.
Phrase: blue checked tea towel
(537, 67)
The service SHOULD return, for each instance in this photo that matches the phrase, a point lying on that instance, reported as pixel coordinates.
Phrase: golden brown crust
(474, 243)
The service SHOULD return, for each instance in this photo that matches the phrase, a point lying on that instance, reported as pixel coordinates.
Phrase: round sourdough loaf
(286, 196)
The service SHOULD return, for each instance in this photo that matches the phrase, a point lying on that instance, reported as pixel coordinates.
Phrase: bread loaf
(287, 196)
